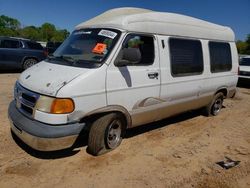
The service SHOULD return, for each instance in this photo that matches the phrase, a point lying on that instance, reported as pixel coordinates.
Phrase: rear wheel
(106, 134)
(215, 106)
(28, 63)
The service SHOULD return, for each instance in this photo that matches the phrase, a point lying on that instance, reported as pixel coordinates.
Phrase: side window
(220, 57)
(34, 45)
(185, 57)
(10, 44)
(144, 45)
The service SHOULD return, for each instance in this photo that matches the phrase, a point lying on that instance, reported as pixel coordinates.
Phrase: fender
(112, 108)
(224, 90)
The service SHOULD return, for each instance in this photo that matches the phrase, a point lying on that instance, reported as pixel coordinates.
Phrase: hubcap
(217, 106)
(29, 63)
(114, 134)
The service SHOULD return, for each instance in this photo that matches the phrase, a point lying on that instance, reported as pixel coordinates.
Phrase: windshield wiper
(74, 62)
(63, 57)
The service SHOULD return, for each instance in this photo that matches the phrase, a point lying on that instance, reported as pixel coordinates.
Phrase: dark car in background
(19, 53)
(52, 46)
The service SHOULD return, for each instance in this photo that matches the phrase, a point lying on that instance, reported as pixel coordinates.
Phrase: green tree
(48, 30)
(9, 26)
(60, 35)
(248, 44)
(241, 47)
(8, 32)
(244, 46)
(8, 22)
(31, 32)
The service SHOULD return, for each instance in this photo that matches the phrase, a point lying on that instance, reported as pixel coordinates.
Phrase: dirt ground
(177, 152)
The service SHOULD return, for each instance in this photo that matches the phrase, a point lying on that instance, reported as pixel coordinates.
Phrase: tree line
(46, 32)
(244, 46)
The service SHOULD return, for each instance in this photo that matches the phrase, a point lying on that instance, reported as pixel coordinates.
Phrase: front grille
(29, 98)
(25, 99)
(27, 109)
(244, 73)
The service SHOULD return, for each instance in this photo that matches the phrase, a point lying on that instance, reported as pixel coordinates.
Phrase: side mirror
(128, 56)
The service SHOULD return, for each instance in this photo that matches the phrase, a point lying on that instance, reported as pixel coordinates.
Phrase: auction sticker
(82, 32)
(99, 48)
(107, 33)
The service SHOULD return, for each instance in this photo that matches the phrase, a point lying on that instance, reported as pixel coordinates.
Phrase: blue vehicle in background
(19, 53)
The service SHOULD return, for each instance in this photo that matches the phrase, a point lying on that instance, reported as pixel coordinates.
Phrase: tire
(28, 63)
(215, 106)
(106, 134)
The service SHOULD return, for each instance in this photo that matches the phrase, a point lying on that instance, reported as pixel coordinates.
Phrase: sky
(65, 14)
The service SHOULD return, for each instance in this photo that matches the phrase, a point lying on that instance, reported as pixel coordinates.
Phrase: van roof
(148, 21)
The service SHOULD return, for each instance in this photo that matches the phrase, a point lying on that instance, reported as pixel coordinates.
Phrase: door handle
(153, 75)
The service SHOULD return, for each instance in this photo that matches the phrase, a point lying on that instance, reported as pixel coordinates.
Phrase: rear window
(34, 45)
(245, 61)
(220, 57)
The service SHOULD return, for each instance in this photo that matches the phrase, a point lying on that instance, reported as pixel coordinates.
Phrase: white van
(121, 69)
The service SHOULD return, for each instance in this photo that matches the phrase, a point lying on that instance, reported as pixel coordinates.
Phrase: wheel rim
(114, 134)
(29, 62)
(217, 106)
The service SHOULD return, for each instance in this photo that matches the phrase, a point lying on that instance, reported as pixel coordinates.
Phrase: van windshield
(86, 48)
(245, 61)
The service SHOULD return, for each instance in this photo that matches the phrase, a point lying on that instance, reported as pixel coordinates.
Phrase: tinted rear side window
(186, 57)
(220, 57)
(10, 44)
(34, 45)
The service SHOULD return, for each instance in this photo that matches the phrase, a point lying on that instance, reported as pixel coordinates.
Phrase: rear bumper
(41, 136)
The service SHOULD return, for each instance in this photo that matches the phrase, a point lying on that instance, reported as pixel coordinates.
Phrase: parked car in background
(244, 72)
(19, 53)
(52, 46)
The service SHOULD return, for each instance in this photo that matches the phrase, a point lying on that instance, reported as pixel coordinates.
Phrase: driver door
(135, 85)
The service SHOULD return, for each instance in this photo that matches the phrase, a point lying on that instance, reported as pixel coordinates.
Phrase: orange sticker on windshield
(99, 48)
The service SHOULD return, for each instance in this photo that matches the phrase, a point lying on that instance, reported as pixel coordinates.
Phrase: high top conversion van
(124, 68)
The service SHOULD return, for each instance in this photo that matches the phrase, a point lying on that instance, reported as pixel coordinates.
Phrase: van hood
(48, 78)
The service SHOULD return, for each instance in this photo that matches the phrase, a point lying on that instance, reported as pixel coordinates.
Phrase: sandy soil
(176, 152)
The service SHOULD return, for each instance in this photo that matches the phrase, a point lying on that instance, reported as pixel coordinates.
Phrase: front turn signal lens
(62, 106)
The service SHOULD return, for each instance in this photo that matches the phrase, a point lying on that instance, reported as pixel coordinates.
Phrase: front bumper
(41, 136)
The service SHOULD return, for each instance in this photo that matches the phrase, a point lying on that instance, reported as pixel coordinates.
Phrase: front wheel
(215, 106)
(106, 134)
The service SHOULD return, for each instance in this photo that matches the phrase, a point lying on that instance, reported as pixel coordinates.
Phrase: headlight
(55, 105)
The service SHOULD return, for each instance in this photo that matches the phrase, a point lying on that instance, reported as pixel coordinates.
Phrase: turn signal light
(62, 106)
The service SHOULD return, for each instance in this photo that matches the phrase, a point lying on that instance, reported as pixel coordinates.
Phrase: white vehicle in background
(42, 43)
(124, 68)
(244, 73)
